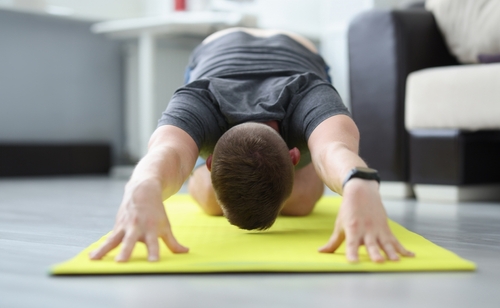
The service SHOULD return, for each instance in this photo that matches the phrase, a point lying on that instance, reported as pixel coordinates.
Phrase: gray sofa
(385, 46)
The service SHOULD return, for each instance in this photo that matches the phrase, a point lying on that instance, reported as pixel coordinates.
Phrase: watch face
(366, 170)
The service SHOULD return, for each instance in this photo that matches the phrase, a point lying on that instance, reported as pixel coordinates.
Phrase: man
(259, 108)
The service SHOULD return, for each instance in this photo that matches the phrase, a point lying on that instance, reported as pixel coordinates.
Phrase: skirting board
(448, 193)
(122, 172)
(395, 190)
(54, 159)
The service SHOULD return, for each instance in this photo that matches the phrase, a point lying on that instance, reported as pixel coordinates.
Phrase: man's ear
(208, 162)
(295, 156)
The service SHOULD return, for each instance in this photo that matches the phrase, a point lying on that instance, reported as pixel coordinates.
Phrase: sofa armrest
(384, 47)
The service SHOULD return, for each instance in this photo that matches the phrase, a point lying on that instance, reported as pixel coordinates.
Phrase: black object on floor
(54, 159)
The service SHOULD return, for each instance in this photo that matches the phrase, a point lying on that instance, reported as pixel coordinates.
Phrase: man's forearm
(334, 146)
(334, 163)
(160, 167)
(167, 164)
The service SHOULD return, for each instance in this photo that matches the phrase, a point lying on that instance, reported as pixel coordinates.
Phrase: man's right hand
(141, 217)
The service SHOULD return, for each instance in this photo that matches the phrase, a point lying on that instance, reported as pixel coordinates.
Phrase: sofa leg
(395, 190)
(450, 193)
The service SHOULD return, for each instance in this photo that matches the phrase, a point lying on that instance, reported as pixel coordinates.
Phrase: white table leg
(147, 117)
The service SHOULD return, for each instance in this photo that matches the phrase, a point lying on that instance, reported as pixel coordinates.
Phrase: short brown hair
(252, 175)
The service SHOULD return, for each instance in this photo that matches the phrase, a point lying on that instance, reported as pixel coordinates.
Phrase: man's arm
(160, 174)
(362, 219)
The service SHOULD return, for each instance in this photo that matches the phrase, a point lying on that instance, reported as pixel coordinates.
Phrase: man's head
(252, 174)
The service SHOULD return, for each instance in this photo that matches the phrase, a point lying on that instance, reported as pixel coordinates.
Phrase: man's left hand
(362, 220)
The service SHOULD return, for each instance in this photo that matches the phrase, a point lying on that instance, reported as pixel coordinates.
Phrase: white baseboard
(122, 172)
(448, 193)
(395, 190)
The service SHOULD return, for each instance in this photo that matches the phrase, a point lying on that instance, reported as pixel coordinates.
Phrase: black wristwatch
(362, 173)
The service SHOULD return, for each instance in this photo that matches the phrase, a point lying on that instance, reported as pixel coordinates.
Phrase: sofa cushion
(470, 27)
(462, 97)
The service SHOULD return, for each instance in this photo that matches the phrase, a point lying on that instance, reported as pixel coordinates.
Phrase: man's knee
(302, 204)
(200, 188)
(212, 208)
(307, 190)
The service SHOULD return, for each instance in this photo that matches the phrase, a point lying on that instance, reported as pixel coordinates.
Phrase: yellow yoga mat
(289, 246)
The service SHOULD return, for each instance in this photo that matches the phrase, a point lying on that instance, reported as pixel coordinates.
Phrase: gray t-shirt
(240, 78)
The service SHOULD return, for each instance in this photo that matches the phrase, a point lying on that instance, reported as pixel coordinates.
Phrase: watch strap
(362, 173)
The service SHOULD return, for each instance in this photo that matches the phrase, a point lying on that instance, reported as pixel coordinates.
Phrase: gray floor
(45, 221)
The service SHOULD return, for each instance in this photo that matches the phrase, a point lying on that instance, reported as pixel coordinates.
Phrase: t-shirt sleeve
(194, 110)
(319, 103)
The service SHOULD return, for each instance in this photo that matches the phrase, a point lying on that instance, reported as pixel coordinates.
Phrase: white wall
(93, 9)
(59, 83)
(100, 9)
(323, 21)
(300, 15)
